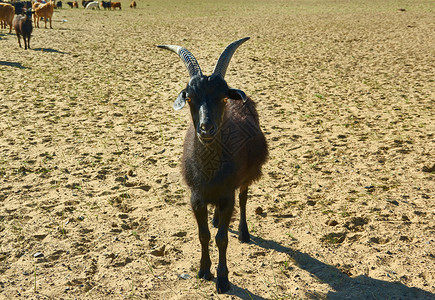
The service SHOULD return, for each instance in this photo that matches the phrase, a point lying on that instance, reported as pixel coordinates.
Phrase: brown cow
(114, 5)
(133, 4)
(44, 11)
(7, 12)
(34, 6)
(75, 4)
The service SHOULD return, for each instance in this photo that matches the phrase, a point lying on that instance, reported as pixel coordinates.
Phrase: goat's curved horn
(224, 59)
(187, 57)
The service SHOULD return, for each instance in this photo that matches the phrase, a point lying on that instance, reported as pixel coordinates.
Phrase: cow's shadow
(50, 50)
(12, 64)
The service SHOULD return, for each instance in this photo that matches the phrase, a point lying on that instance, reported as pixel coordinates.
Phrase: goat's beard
(210, 156)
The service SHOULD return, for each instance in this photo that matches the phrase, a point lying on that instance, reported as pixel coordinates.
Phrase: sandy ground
(92, 204)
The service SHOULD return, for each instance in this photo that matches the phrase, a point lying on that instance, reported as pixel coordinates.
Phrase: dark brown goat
(23, 27)
(224, 150)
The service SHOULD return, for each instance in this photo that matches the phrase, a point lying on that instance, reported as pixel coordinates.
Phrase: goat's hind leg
(215, 220)
(243, 226)
(200, 212)
(19, 40)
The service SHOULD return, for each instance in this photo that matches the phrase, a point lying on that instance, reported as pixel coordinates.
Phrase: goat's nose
(207, 129)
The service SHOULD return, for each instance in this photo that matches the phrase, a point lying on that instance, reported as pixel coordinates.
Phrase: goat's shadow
(345, 287)
(12, 64)
(243, 293)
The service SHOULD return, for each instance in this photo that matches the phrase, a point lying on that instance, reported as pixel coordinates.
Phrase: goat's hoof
(244, 237)
(205, 274)
(222, 285)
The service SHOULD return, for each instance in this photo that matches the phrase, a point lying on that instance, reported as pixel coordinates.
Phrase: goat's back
(243, 139)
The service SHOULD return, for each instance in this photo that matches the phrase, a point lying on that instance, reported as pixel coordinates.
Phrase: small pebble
(259, 210)
(38, 254)
(159, 252)
(184, 276)
(394, 202)
(332, 222)
(311, 202)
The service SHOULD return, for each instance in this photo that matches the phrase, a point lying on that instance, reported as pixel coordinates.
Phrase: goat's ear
(237, 95)
(180, 101)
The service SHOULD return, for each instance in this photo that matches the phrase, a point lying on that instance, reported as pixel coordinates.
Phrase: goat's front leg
(243, 226)
(225, 212)
(25, 43)
(200, 211)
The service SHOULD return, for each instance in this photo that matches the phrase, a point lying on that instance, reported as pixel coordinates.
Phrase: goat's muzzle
(206, 132)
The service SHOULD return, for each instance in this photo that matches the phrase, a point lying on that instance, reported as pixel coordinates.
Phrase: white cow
(93, 5)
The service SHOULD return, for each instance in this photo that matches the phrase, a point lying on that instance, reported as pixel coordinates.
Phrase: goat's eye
(226, 99)
(188, 99)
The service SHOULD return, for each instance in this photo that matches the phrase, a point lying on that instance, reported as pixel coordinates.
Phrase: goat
(133, 4)
(70, 4)
(23, 27)
(44, 11)
(106, 4)
(75, 4)
(58, 4)
(92, 5)
(224, 150)
(114, 5)
(7, 12)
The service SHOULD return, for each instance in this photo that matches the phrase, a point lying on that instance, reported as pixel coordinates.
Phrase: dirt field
(92, 204)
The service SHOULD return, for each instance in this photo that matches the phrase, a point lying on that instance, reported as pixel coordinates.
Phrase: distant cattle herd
(19, 14)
